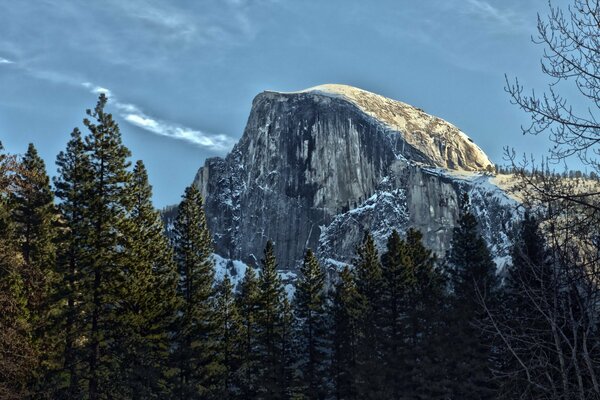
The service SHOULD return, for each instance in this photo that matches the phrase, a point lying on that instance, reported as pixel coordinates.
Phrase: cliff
(316, 168)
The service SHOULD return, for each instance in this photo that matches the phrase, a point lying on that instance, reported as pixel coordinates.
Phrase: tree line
(97, 303)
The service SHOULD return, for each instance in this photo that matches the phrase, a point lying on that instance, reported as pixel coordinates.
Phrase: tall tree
(412, 302)
(367, 270)
(311, 312)
(93, 175)
(474, 284)
(148, 298)
(74, 177)
(288, 349)
(345, 313)
(248, 301)
(34, 216)
(269, 327)
(425, 303)
(394, 306)
(196, 329)
(230, 342)
(107, 205)
(528, 277)
(18, 356)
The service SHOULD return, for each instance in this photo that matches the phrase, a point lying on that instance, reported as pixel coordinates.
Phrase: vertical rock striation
(316, 168)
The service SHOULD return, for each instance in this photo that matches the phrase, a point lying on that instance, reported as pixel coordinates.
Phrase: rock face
(317, 168)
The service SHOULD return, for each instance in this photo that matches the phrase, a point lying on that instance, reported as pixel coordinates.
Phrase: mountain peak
(316, 168)
(443, 143)
(332, 89)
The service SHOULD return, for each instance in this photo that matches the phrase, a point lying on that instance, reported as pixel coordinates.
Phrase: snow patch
(235, 269)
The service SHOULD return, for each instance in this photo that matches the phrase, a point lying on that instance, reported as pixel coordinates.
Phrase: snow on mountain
(317, 168)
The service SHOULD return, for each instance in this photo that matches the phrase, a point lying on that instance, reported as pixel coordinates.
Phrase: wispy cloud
(505, 19)
(199, 138)
(134, 34)
(97, 89)
(135, 116)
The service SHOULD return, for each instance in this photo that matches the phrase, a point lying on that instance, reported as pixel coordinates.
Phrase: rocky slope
(317, 168)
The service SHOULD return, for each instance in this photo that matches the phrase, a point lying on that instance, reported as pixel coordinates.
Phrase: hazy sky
(181, 74)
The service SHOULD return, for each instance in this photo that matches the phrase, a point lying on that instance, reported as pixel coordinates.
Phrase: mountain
(318, 167)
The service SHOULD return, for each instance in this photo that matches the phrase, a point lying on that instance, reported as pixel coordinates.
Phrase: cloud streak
(216, 142)
(135, 116)
(505, 19)
(151, 35)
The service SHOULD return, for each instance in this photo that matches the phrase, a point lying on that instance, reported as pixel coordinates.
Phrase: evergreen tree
(230, 334)
(107, 204)
(346, 313)
(412, 298)
(530, 285)
(92, 180)
(18, 357)
(310, 306)
(367, 270)
(249, 304)
(148, 297)
(269, 327)
(34, 216)
(394, 307)
(530, 266)
(288, 361)
(474, 284)
(196, 329)
(424, 304)
(72, 188)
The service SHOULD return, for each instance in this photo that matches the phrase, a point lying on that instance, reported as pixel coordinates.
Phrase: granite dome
(444, 144)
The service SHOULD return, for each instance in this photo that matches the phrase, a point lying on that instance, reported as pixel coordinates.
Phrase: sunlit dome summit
(443, 143)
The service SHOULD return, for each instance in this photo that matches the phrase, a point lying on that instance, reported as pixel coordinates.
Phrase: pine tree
(474, 283)
(394, 306)
(249, 304)
(310, 306)
(424, 305)
(18, 357)
(530, 285)
(269, 324)
(107, 205)
(72, 188)
(34, 216)
(93, 175)
(287, 346)
(368, 275)
(345, 313)
(148, 298)
(412, 297)
(229, 347)
(196, 328)
(529, 267)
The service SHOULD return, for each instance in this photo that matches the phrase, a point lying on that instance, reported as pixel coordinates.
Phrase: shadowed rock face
(317, 168)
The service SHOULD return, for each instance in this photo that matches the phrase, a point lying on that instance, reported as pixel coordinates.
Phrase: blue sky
(181, 75)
